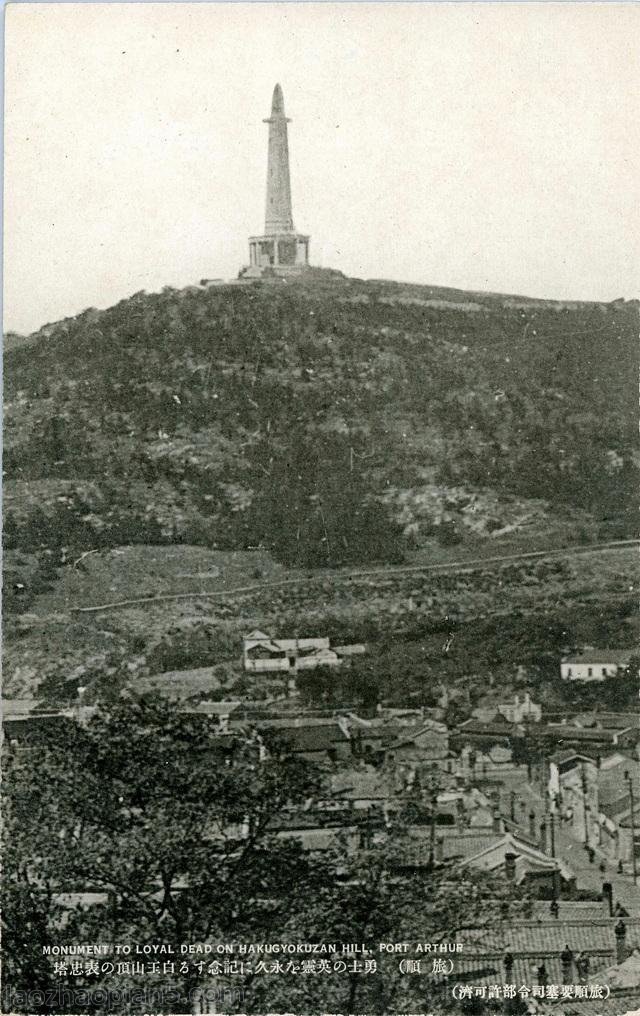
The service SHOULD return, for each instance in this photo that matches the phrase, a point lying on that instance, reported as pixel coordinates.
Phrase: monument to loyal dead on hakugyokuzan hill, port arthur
(280, 250)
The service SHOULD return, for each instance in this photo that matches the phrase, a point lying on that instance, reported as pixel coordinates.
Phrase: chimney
(508, 966)
(607, 894)
(566, 958)
(510, 866)
(498, 826)
(440, 848)
(583, 963)
(532, 825)
(621, 941)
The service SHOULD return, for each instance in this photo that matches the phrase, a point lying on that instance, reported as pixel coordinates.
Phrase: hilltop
(320, 424)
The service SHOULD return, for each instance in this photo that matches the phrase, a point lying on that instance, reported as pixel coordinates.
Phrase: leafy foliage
(174, 825)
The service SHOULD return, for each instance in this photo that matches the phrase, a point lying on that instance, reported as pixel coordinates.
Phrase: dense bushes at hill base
(283, 416)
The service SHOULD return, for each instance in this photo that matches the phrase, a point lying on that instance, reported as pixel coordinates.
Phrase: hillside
(218, 401)
(329, 423)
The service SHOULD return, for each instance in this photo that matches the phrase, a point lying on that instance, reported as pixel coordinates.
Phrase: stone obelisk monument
(279, 218)
(280, 250)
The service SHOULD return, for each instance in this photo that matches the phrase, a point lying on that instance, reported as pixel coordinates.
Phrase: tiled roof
(320, 738)
(546, 938)
(407, 735)
(417, 852)
(616, 760)
(625, 974)
(181, 681)
(567, 732)
(266, 646)
(524, 937)
(615, 1005)
(468, 846)
(355, 783)
(215, 708)
(565, 755)
(612, 721)
(614, 801)
(491, 970)
(552, 936)
(531, 943)
(291, 722)
(603, 656)
(570, 910)
(497, 726)
(18, 706)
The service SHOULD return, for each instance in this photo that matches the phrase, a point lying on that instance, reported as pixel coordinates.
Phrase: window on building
(590, 672)
(604, 671)
(568, 671)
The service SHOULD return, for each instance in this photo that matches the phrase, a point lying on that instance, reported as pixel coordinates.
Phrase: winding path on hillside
(349, 576)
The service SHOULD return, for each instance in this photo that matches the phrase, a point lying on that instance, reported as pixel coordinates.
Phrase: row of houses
(596, 732)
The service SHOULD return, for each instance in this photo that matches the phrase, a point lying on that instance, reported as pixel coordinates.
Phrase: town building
(485, 735)
(570, 950)
(519, 710)
(261, 653)
(595, 664)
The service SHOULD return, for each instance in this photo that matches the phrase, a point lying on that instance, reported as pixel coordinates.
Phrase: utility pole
(432, 794)
(584, 805)
(432, 834)
(633, 828)
(554, 891)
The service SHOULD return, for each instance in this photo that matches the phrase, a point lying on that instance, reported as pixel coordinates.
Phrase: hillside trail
(349, 576)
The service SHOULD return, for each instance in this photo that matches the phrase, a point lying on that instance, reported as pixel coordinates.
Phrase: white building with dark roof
(595, 664)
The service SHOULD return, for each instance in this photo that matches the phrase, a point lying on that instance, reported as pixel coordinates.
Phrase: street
(572, 851)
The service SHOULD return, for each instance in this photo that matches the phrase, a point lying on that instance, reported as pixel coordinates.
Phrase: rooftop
(309, 739)
(18, 706)
(499, 725)
(603, 656)
(567, 732)
(613, 721)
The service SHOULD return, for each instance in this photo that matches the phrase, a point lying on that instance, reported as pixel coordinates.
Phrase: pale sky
(482, 146)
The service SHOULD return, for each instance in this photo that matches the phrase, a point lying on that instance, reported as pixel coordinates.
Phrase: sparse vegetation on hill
(312, 426)
(317, 421)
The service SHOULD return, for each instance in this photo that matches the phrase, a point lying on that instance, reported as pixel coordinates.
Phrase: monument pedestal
(283, 253)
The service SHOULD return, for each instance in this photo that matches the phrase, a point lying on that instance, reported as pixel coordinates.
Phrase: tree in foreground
(174, 826)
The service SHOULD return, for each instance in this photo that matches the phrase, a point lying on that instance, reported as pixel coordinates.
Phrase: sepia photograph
(320, 629)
